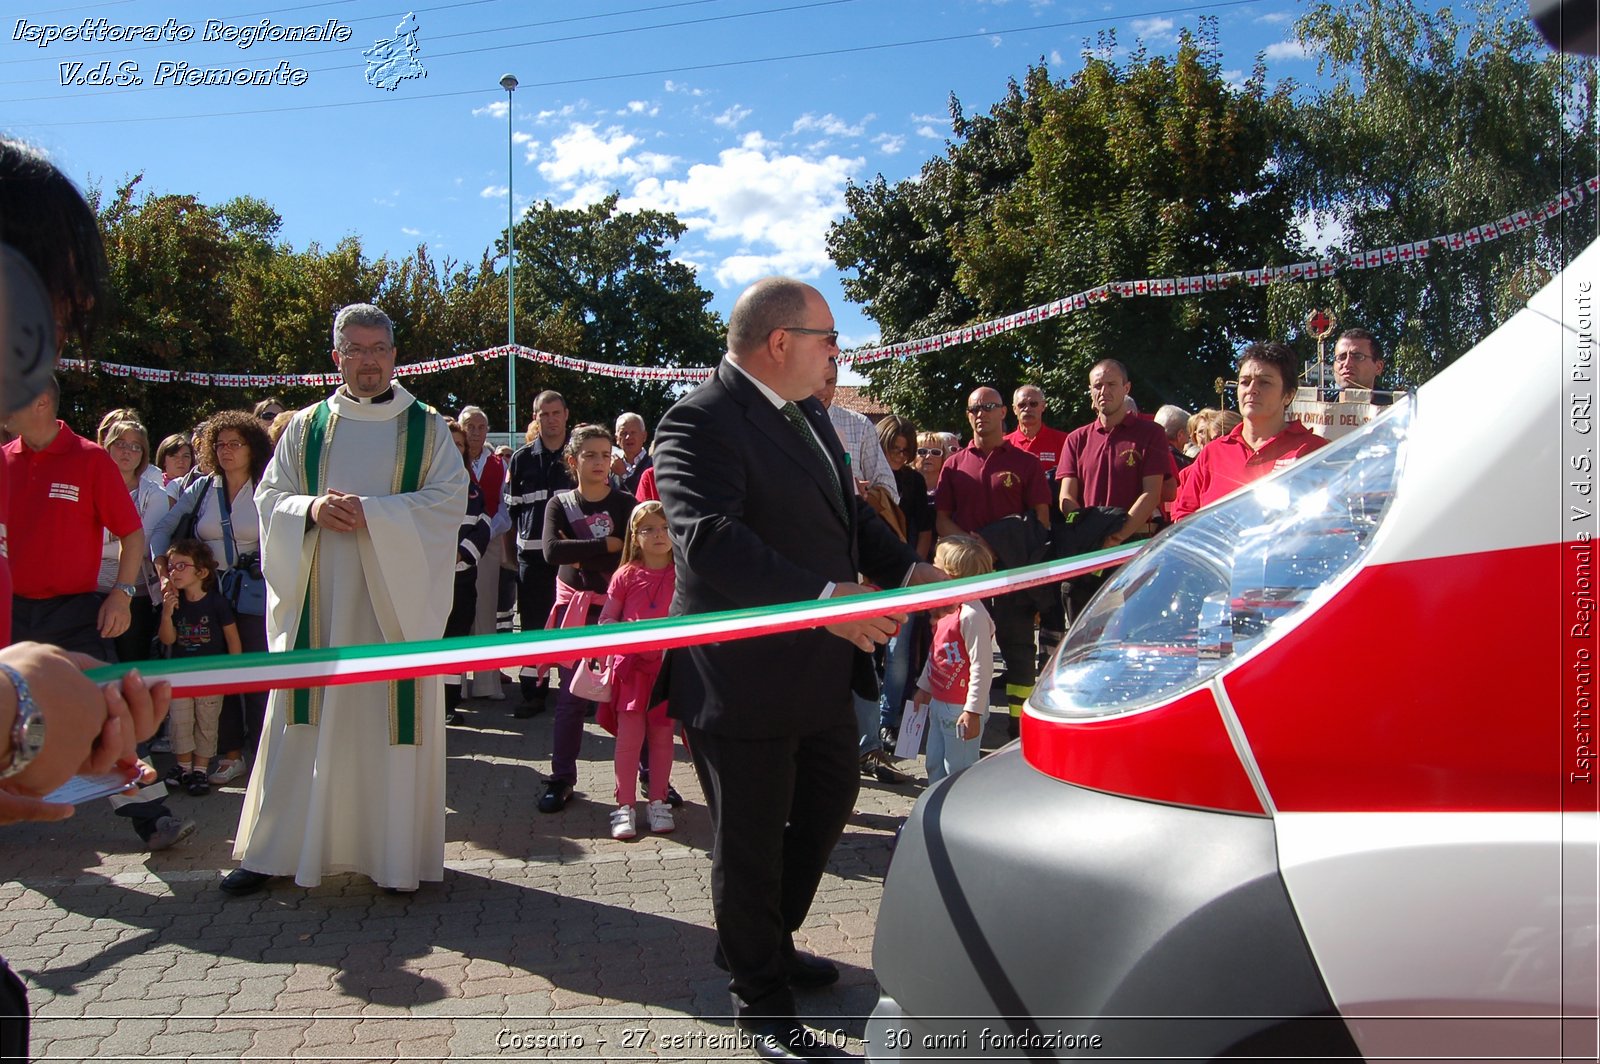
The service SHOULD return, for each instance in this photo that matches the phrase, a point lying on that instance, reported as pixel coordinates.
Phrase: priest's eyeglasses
(361, 351)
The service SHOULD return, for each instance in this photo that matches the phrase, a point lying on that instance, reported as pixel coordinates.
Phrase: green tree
(1431, 125)
(896, 239)
(1152, 168)
(170, 259)
(600, 284)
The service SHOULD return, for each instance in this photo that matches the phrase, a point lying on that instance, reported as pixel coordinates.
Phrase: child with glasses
(196, 621)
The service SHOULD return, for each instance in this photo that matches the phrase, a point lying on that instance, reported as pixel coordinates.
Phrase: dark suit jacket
(755, 522)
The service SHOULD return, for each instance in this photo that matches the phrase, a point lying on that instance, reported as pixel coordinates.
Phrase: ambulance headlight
(1215, 586)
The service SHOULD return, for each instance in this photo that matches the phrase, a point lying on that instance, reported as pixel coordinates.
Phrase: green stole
(414, 449)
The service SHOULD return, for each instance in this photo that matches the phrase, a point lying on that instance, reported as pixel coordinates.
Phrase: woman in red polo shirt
(1266, 440)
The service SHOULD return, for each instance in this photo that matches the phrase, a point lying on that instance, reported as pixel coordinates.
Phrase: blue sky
(745, 117)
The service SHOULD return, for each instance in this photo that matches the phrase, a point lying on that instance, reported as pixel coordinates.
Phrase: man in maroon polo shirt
(1118, 460)
(1045, 444)
(1032, 434)
(980, 484)
(70, 490)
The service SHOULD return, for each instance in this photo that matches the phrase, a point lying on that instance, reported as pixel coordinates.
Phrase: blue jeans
(900, 661)
(948, 754)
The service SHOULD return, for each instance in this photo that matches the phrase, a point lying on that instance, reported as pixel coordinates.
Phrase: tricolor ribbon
(332, 666)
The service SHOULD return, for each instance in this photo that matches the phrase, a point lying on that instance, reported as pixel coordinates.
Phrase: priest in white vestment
(360, 510)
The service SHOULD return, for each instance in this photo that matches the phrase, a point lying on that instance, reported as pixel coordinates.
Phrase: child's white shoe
(622, 823)
(660, 814)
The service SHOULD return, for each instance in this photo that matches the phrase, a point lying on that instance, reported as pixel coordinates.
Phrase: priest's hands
(338, 512)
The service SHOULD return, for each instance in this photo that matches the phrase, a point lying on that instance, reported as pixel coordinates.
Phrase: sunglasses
(985, 408)
(930, 452)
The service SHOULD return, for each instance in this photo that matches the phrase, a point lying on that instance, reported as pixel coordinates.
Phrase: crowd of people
(368, 517)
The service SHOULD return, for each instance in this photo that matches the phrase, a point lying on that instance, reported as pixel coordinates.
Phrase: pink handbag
(591, 680)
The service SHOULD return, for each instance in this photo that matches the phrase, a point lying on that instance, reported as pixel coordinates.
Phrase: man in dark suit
(761, 509)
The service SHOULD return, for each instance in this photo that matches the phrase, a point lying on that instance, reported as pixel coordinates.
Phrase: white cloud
(1287, 50)
(1276, 17)
(929, 132)
(1158, 30)
(519, 137)
(495, 109)
(494, 192)
(731, 118)
(549, 115)
(1055, 57)
(889, 144)
(1234, 79)
(639, 107)
(586, 162)
(678, 86)
(408, 231)
(776, 206)
(831, 124)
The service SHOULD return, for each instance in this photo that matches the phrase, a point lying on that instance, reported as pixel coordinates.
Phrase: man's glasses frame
(829, 336)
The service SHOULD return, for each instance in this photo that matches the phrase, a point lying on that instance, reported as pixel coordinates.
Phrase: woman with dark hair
(235, 447)
(174, 458)
(1265, 441)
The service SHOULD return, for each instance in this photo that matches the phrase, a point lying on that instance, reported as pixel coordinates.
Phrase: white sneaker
(228, 771)
(660, 814)
(622, 823)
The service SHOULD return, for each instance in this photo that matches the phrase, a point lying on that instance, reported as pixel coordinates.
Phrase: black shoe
(528, 709)
(880, 766)
(674, 799)
(455, 718)
(890, 737)
(555, 796)
(242, 881)
(807, 971)
(195, 783)
(786, 1038)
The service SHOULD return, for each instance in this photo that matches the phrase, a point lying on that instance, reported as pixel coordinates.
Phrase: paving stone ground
(546, 939)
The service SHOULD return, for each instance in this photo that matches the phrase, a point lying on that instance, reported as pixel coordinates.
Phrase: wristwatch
(131, 590)
(27, 731)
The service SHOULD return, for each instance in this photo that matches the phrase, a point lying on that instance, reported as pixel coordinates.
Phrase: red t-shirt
(5, 564)
(492, 482)
(1046, 446)
(1111, 464)
(976, 489)
(1228, 462)
(61, 498)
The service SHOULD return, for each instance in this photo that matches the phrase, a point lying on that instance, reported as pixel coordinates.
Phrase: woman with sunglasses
(930, 456)
(268, 409)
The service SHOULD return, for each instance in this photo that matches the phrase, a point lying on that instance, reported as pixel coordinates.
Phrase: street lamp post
(509, 83)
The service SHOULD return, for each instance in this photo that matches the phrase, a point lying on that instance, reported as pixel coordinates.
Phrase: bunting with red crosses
(1164, 287)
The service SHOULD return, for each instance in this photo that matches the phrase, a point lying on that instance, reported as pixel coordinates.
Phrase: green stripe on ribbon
(311, 447)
